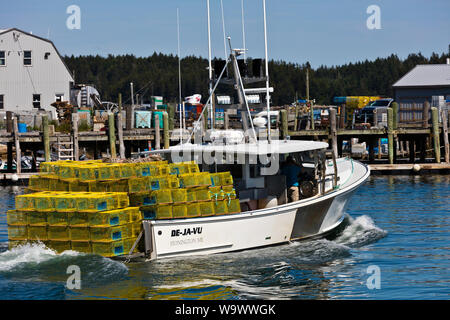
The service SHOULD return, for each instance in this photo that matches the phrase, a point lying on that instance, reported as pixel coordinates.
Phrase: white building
(32, 73)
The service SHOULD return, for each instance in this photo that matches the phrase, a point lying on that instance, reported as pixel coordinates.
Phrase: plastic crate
(79, 233)
(234, 206)
(87, 172)
(179, 195)
(36, 218)
(80, 219)
(206, 208)
(193, 210)
(65, 202)
(59, 246)
(110, 233)
(189, 180)
(94, 202)
(16, 218)
(110, 218)
(58, 233)
(109, 248)
(157, 212)
(58, 218)
(81, 246)
(37, 233)
(179, 211)
(220, 207)
(17, 232)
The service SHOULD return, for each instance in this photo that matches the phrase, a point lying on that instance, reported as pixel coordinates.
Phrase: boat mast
(267, 74)
(209, 63)
(179, 78)
(243, 29)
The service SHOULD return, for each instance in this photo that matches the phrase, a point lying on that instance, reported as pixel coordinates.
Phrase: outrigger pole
(267, 74)
(209, 65)
(179, 79)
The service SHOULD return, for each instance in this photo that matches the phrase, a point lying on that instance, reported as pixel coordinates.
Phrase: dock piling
(444, 117)
(112, 135)
(166, 130)
(333, 131)
(284, 123)
(46, 138)
(436, 144)
(76, 150)
(390, 135)
(157, 133)
(17, 144)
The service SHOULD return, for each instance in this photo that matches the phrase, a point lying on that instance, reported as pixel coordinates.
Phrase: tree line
(158, 75)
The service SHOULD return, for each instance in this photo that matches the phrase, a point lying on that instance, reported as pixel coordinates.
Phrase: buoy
(15, 177)
(416, 167)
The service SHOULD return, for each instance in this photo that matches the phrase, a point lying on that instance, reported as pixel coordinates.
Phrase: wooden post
(112, 135)
(333, 131)
(166, 130)
(9, 122)
(157, 133)
(426, 110)
(296, 117)
(423, 149)
(342, 117)
(312, 116)
(120, 134)
(412, 151)
(129, 120)
(17, 143)
(445, 134)
(379, 148)
(284, 123)
(9, 147)
(46, 138)
(171, 112)
(375, 117)
(120, 103)
(76, 150)
(390, 135)
(395, 115)
(436, 144)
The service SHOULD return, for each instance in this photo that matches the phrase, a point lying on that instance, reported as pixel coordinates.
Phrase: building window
(2, 58)
(2, 99)
(36, 100)
(27, 58)
(59, 97)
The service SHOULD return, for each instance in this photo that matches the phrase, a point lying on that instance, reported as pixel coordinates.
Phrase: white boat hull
(293, 221)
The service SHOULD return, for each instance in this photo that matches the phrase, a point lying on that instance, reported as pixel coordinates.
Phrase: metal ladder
(65, 148)
(84, 97)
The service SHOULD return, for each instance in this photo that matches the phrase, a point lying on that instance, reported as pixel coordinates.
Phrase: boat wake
(360, 232)
(36, 262)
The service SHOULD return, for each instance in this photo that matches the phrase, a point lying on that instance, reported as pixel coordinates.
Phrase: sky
(323, 32)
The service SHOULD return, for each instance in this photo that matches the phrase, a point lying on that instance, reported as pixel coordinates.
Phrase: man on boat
(292, 170)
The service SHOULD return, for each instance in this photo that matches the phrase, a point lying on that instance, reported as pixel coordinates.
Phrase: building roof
(426, 75)
(3, 31)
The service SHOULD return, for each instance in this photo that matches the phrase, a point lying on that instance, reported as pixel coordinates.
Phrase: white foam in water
(29, 253)
(361, 231)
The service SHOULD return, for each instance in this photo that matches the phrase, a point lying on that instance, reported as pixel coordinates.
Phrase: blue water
(401, 225)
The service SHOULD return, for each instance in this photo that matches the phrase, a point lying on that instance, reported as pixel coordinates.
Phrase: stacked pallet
(89, 222)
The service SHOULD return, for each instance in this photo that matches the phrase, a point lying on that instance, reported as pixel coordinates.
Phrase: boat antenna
(243, 29)
(179, 77)
(267, 74)
(209, 62)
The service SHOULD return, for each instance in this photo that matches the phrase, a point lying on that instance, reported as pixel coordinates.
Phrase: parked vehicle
(365, 115)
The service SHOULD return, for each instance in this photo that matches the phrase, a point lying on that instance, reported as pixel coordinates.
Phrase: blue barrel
(22, 127)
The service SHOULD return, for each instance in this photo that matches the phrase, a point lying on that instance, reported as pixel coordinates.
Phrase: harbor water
(395, 246)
